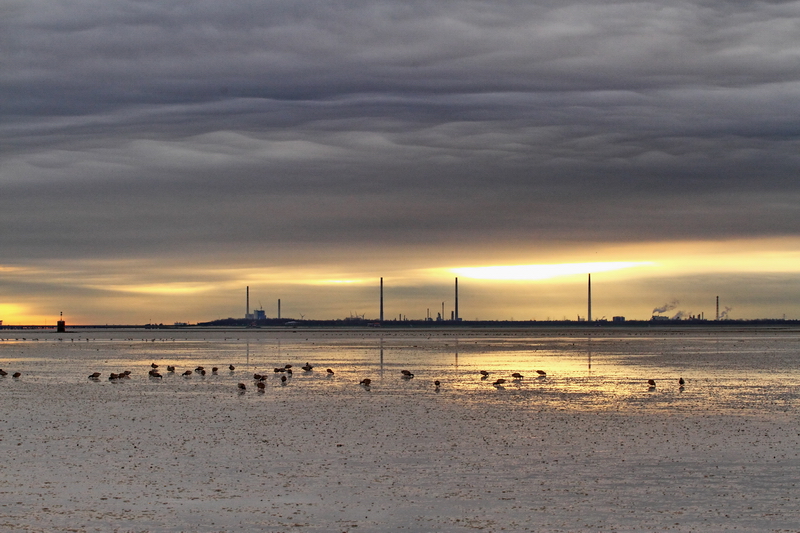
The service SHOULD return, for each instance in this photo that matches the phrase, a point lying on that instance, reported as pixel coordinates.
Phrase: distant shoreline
(288, 324)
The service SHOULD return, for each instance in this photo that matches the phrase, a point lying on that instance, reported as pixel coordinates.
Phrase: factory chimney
(381, 299)
(247, 311)
(455, 312)
(589, 314)
(717, 308)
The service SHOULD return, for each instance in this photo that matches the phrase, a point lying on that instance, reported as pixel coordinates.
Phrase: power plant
(257, 314)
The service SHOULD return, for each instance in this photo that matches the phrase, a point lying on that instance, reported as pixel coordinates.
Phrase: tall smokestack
(455, 312)
(381, 299)
(717, 308)
(589, 314)
(247, 312)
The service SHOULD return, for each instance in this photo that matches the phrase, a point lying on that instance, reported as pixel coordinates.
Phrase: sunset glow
(540, 272)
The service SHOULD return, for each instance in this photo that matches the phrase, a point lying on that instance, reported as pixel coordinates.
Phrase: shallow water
(751, 370)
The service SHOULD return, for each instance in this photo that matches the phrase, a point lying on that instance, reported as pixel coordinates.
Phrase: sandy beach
(325, 454)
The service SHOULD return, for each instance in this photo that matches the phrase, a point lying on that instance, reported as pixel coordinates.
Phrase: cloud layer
(283, 132)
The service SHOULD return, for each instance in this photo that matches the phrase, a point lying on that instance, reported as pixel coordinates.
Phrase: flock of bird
(286, 372)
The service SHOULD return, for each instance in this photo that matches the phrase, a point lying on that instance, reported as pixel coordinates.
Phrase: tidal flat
(589, 446)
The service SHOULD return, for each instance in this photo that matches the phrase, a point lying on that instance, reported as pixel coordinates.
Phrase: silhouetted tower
(717, 308)
(381, 299)
(455, 312)
(247, 310)
(589, 313)
(61, 325)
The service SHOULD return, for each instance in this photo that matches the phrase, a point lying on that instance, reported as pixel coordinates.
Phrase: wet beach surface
(589, 447)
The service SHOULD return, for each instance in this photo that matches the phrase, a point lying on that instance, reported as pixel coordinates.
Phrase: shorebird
(154, 374)
(289, 372)
(276, 370)
(153, 365)
(3, 372)
(214, 370)
(681, 382)
(113, 377)
(95, 375)
(542, 373)
(407, 374)
(517, 375)
(170, 368)
(199, 369)
(484, 374)
(365, 382)
(256, 376)
(329, 371)
(187, 373)
(231, 368)
(499, 382)
(287, 367)
(242, 387)
(202, 372)
(15, 375)
(283, 380)
(436, 384)
(307, 367)
(261, 386)
(652, 384)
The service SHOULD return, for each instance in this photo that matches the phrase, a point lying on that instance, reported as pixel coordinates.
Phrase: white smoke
(666, 307)
(724, 314)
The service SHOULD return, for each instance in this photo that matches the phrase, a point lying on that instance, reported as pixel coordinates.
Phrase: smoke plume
(666, 307)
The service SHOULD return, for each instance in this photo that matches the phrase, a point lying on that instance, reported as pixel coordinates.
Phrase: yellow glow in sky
(158, 288)
(539, 272)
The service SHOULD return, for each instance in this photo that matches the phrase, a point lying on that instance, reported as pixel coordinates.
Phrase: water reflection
(380, 371)
(726, 369)
(589, 351)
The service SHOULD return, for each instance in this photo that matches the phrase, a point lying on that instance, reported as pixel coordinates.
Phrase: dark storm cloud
(138, 127)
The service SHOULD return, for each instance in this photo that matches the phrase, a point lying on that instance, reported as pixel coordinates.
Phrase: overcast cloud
(169, 128)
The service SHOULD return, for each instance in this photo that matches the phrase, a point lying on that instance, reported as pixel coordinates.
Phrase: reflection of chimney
(589, 315)
(455, 312)
(381, 299)
(247, 312)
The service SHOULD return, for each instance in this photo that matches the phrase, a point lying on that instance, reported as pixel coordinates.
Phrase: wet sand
(172, 455)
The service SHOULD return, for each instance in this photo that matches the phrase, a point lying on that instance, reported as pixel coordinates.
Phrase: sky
(157, 157)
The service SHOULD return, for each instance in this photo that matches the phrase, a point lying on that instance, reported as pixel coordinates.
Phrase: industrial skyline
(156, 158)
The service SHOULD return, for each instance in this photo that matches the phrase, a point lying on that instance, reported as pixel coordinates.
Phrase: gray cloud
(142, 128)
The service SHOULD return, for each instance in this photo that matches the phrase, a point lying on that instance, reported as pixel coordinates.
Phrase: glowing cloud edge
(541, 272)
